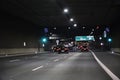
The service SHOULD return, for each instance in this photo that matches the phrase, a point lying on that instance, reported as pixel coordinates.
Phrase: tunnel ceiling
(50, 12)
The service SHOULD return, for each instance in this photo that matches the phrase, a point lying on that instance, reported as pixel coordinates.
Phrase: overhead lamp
(100, 38)
(83, 27)
(50, 33)
(66, 10)
(91, 33)
(75, 25)
(71, 19)
(69, 28)
(54, 28)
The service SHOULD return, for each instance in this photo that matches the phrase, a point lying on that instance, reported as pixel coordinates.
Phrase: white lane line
(113, 76)
(14, 60)
(56, 60)
(37, 68)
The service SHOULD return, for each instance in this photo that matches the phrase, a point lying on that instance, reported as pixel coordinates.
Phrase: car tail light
(59, 48)
(66, 48)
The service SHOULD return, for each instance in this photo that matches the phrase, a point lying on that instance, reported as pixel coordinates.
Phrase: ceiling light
(69, 28)
(75, 25)
(55, 28)
(71, 19)
(65, 10)
(83, 27)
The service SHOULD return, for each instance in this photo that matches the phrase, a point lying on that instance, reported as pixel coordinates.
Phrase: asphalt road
(51, 66)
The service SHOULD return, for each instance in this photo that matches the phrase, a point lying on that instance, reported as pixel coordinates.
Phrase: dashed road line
(56, 60)
(37, 68)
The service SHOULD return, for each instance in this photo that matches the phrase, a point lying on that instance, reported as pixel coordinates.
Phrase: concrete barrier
(116, 50)
(19, 51)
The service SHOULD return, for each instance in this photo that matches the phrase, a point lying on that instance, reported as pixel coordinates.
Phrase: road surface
(52, 66)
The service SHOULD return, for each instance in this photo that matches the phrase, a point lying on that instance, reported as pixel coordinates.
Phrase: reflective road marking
(113, 76)
(56, 60)
(37, 68)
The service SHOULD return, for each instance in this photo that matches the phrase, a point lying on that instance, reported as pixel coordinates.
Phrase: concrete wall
(19, 51)
(116, 49)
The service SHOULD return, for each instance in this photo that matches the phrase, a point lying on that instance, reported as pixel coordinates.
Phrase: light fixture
(100, 38)
(66, 10)
(75, 25)
(50, 33)
(54, 28)
(83, 27)
(71, 19)
(69, 28)
(91, 33)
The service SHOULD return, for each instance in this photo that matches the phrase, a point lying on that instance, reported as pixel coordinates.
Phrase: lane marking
(56, 60)
(113, 76)
(37, 68)
(15, 60)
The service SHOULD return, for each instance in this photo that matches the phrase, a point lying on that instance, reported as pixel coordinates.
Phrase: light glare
(65, 10)
(75, 25)
(71, 19)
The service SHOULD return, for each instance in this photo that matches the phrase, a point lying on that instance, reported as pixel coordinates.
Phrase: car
(84, 48)
(54, 48)
(80, 47)
(62, 49)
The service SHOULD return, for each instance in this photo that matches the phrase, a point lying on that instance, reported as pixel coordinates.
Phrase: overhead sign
(84, 38)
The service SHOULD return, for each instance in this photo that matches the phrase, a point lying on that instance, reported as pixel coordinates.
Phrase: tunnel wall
(19, 51)
(115, 37)
(116, 50)
(116, 40)
(16, 30)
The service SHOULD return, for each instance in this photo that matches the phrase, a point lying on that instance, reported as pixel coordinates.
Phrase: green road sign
(84, 38)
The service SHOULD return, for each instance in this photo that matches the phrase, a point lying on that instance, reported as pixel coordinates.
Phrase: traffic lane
(28, 57)
(80, 66)
(111, 60)
(18, 61)
(8, 69)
